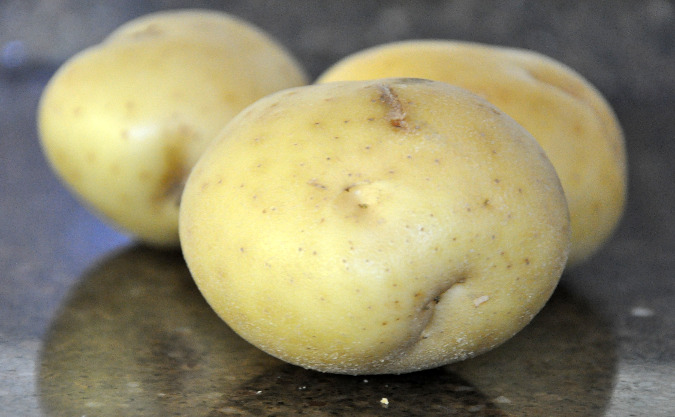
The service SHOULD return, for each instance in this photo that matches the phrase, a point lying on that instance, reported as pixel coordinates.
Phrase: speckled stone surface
(93, 324)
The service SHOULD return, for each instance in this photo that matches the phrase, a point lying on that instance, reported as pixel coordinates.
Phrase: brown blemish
(396, 114)
(115, 169)
(428, 308)
(314, 183)
(172, 181)
(144, 175)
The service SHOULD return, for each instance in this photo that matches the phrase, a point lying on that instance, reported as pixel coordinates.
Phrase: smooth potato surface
(569, 118)
(374, 227)
(123, 122)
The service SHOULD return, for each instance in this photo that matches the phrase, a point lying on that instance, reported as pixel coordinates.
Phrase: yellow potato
(564, 112)
(123, 122)
(374, 227)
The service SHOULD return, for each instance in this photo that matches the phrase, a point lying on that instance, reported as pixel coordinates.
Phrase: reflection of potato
(569, 118)
(124, 121)
(374, 227)
(565, 359)
(135, 337)
(290, 390)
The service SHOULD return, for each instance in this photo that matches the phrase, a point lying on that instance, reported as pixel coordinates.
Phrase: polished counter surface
(92, 323)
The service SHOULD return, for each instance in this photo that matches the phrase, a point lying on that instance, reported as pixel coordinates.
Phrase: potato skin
(122, 122)
(374, 227)
(569, 118)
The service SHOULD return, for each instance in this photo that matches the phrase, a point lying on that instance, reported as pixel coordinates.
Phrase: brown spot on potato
(172, 180)
(144, 175)
(396, 113)
(315, 183)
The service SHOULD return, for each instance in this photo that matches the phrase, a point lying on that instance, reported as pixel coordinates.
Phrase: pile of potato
(416, 205)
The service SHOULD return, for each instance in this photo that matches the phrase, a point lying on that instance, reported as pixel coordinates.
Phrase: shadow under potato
(135, 337)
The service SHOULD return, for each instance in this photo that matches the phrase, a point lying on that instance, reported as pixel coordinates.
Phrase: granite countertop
(92, 323)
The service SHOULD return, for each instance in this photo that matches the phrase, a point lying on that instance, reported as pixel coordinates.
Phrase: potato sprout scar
(396, 114)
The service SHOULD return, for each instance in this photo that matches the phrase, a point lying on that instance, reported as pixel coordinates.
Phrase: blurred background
(622, 46)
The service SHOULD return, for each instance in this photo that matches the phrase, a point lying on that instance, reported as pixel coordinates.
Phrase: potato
(569, 118)
(123, 122)
(374, 227)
